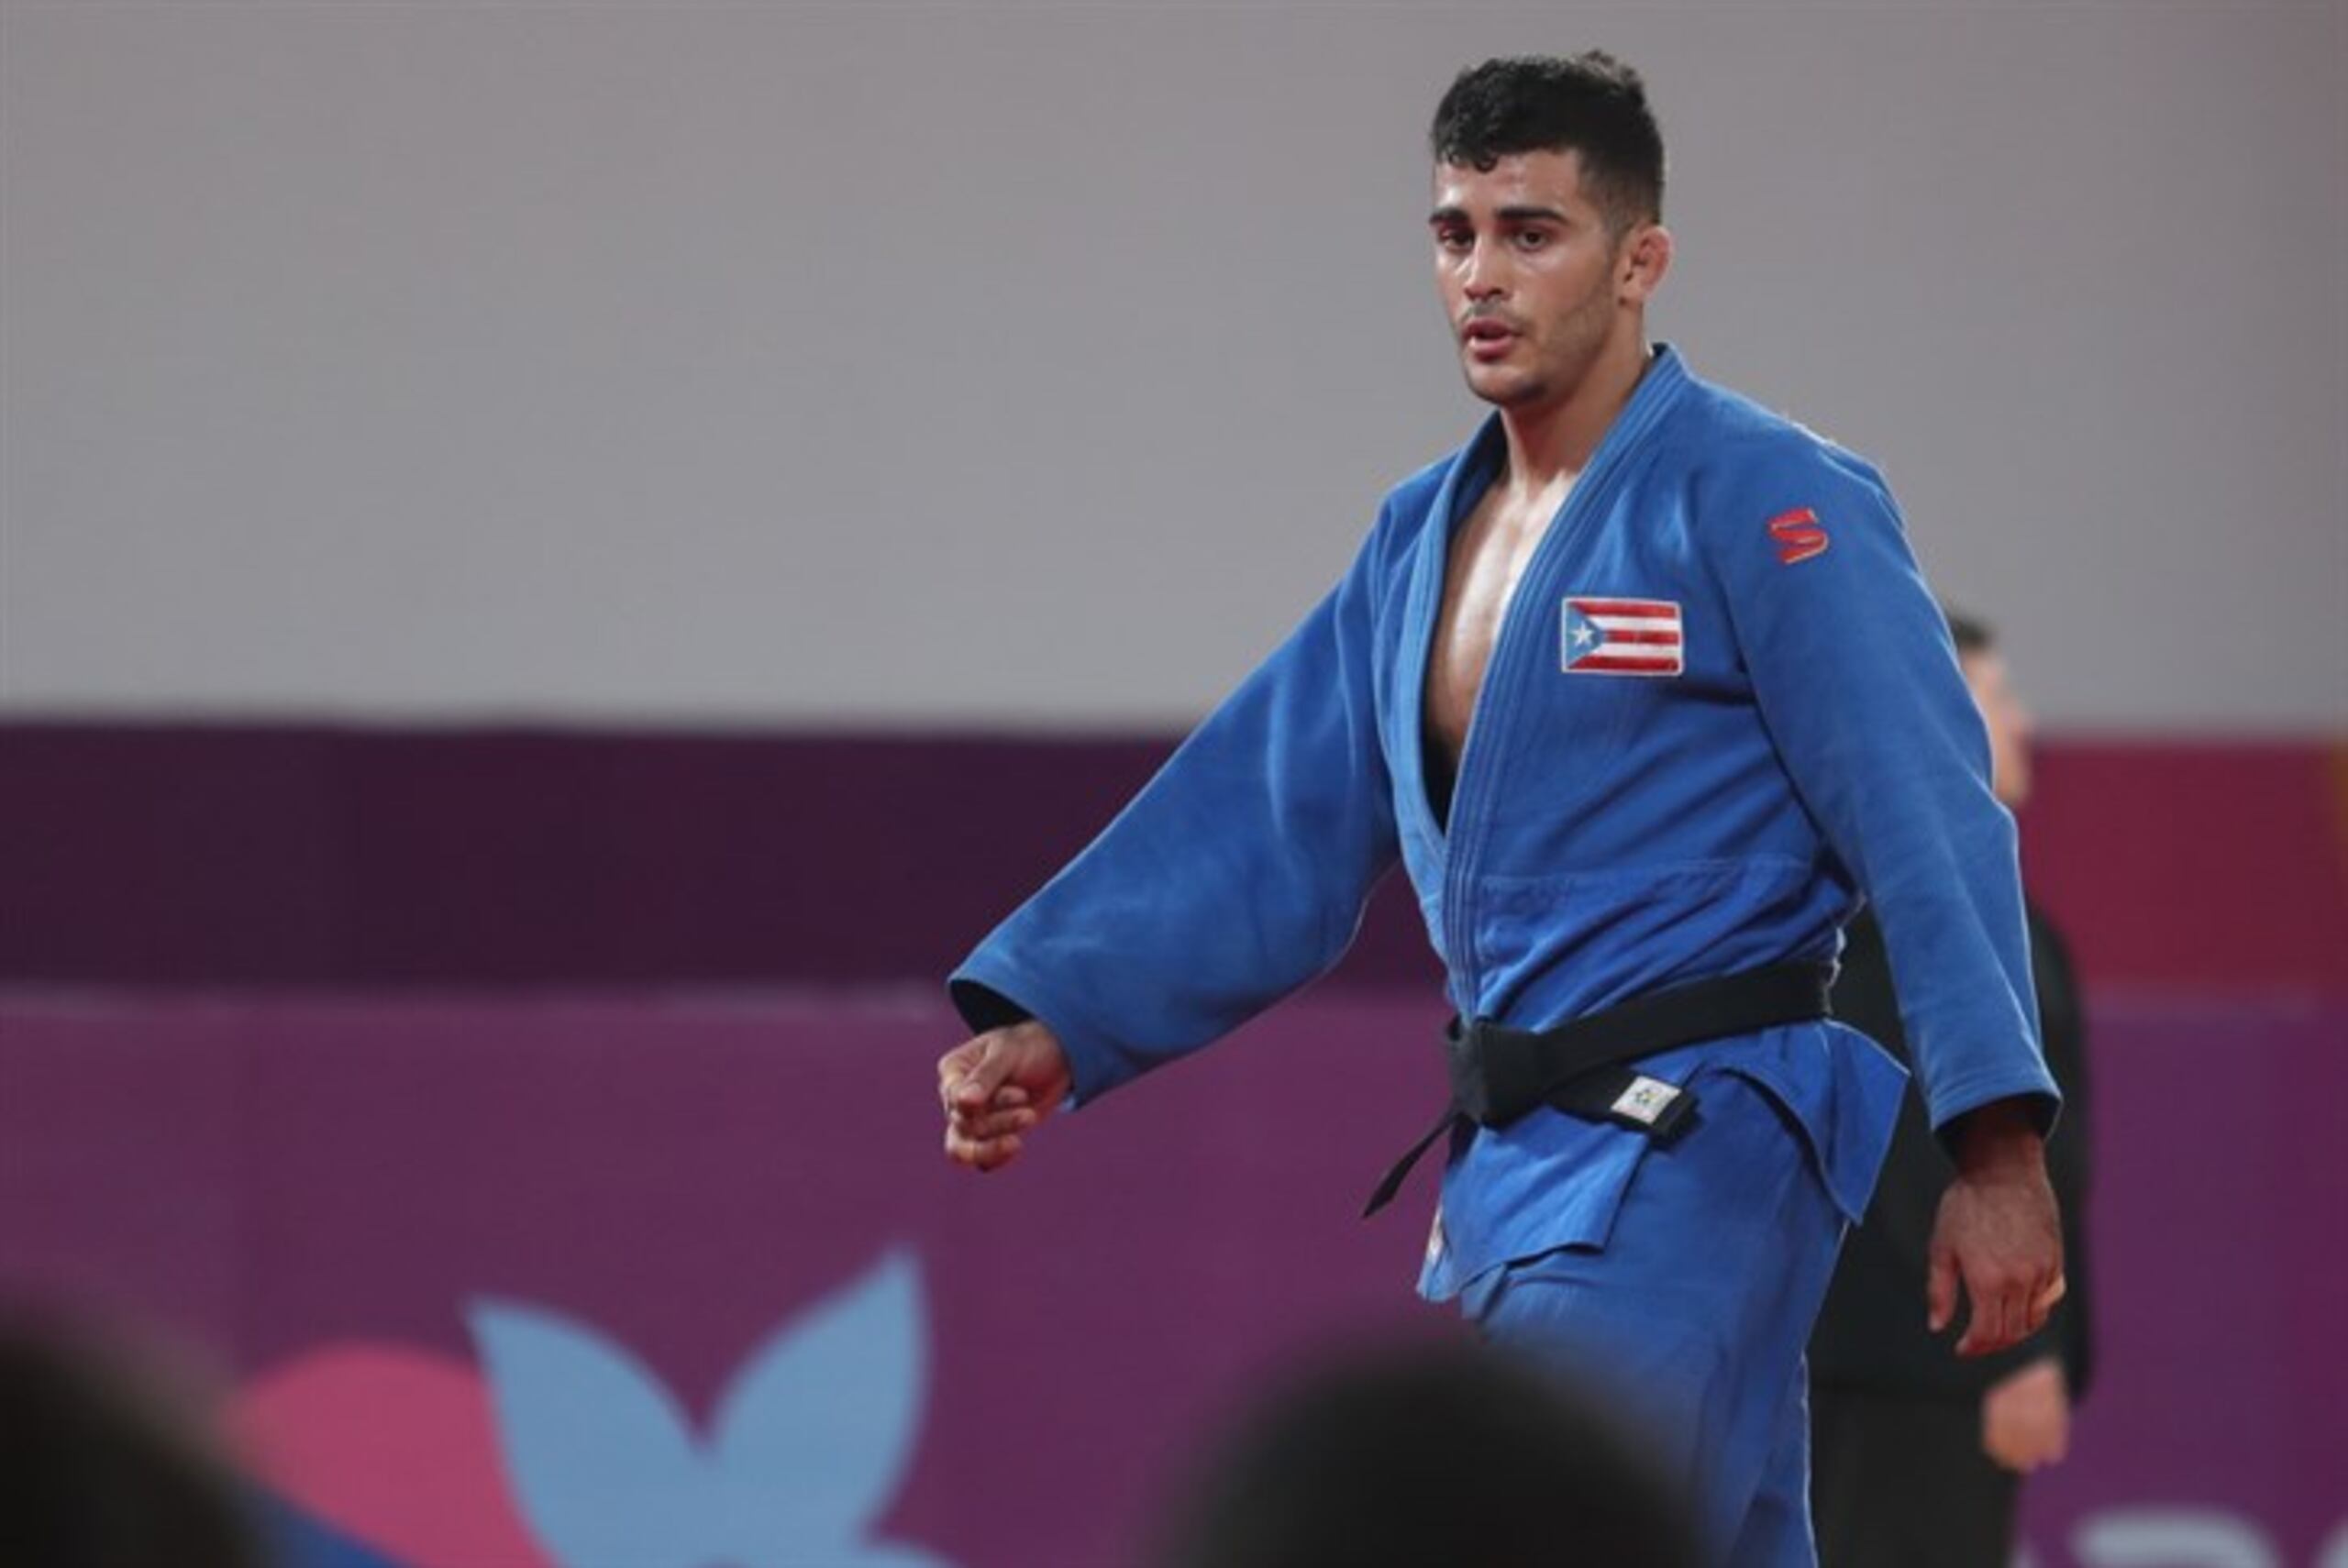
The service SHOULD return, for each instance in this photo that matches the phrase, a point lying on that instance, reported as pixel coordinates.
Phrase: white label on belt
(1646, 1099)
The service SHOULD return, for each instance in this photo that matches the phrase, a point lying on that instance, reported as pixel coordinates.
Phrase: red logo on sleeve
(1798, 536)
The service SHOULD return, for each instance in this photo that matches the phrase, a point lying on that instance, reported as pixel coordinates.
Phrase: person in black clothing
(1917, 1456)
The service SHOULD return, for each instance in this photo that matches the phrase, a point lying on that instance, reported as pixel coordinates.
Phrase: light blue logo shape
(805, 1450)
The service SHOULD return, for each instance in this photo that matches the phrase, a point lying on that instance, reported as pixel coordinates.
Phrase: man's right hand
(996, 1089)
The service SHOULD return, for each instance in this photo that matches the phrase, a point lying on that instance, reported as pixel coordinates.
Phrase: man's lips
(1488, 338)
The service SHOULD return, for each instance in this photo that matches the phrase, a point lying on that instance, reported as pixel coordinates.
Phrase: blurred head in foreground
(1450, 1454)
(98, 1467)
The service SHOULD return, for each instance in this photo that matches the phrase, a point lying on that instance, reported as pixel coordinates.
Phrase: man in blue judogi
(1643, 687)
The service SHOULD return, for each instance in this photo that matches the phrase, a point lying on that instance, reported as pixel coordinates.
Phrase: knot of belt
(1584, 1067)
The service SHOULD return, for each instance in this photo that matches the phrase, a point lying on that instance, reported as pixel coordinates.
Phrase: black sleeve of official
(2069, 1153)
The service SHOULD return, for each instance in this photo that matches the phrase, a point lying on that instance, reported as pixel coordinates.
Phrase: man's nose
(1486, 275)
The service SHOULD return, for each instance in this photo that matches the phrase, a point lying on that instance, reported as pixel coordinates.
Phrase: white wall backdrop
(1017, 364)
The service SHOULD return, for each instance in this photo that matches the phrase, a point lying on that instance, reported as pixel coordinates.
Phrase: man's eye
(1531, 239)
(1452, 239)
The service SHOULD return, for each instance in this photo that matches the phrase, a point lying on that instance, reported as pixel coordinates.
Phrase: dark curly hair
(1590, 104)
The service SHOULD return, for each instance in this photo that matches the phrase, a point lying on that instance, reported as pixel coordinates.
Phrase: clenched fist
(997, 1088)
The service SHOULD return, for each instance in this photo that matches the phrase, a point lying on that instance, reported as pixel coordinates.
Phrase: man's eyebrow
(1442, 216)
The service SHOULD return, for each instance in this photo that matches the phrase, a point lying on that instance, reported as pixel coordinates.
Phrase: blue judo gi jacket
(1722, 708)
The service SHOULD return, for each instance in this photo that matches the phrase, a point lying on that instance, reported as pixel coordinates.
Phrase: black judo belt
(1584, 1067)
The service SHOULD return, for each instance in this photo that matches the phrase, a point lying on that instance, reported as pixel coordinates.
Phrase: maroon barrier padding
(272, 1179)
(182, 855)
(2207, 865)
(279, 1179)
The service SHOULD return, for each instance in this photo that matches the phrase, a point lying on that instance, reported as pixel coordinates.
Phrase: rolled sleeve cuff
(1950, 1101)
(991, 993)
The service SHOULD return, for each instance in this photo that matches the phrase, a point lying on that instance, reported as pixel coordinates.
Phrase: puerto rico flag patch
(1622, 636)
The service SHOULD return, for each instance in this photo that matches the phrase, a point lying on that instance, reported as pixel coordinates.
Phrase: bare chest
(1489, 556)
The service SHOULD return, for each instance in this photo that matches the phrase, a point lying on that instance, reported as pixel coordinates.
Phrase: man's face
(1531, 279)
(2010, 725)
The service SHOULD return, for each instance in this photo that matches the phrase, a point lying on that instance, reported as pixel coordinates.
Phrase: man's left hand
(1998, 1231)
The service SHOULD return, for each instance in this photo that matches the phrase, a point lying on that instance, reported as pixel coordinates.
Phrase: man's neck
(1551, 443)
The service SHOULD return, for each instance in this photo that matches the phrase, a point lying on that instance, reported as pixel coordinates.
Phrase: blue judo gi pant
(1691, 1318)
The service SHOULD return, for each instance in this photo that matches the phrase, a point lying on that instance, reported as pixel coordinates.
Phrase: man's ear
(1646, 256)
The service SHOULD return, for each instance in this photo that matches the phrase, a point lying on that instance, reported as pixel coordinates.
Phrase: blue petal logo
(805, 1450)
